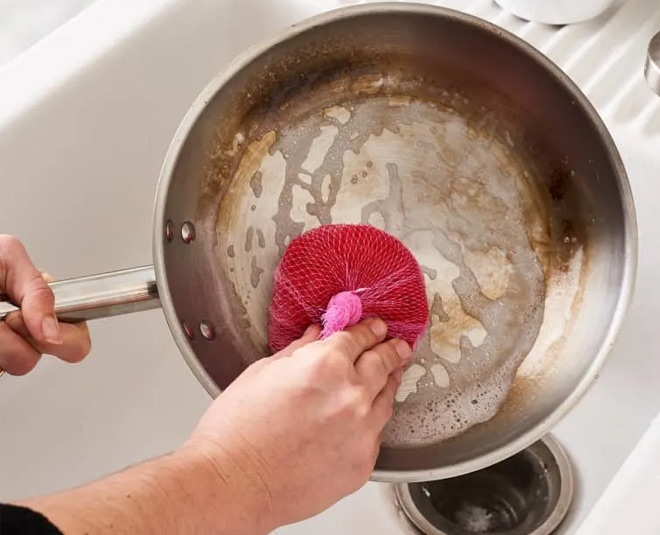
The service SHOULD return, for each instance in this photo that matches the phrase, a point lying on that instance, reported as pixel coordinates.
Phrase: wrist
(228, 497)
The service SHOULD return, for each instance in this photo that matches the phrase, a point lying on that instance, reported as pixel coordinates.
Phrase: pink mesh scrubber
(336, 275)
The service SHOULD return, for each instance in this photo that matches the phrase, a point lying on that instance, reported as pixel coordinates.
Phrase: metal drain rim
(419, 522)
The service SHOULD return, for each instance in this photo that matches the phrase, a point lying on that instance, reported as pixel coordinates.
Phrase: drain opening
(527, 494)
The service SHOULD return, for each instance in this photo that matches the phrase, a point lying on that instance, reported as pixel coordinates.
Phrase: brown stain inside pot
(438, 161)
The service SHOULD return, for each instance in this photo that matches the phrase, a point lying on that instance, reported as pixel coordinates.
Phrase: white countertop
(85, 119)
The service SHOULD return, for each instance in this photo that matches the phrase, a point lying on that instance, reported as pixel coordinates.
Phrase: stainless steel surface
(101, 296)
(527, 494)
(404, 67)
(256, 124)
(652, 66)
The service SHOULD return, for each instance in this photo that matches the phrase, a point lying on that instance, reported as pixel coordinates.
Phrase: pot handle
(101, 296)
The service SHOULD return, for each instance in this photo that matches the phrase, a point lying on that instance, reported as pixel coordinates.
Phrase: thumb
(25, 286)
(310, 335)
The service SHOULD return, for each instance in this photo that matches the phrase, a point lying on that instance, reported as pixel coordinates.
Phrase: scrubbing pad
(336, 275)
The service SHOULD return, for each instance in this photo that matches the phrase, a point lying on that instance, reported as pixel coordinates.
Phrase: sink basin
(25, 22)
(81, 144)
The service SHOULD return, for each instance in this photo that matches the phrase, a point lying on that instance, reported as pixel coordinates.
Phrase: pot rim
(630, 231)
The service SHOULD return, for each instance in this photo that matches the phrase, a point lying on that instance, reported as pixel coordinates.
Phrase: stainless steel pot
(434, 125)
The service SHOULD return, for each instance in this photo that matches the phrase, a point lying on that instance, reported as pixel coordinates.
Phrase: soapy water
(475, 519)
(460, 199)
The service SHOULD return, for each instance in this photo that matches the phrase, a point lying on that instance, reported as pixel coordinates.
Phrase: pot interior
(462, 142)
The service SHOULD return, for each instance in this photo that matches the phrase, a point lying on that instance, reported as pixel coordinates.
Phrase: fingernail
(404, 351)
(51, 330)
(378, 326)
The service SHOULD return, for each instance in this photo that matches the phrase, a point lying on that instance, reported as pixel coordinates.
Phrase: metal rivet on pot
(169, 230)
(188, 330)
(188, 232)
(207, 330)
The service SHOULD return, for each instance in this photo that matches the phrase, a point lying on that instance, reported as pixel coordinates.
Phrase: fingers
(26, 287)
(383, 405)
(311, 335)
(17, 356)
(374, 366)
(355, 340)
(75, 345)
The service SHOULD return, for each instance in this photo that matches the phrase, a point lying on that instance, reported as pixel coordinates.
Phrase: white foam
(456, 198)
(560, 298)
(409, 381)
(475, 519)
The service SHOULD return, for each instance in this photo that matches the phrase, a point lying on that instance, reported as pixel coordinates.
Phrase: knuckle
(259, 364)
(301, 353)
(20, 364)
(302, 393)
(313, 373)
(24, 366)
(255, 368)
(10, 247)
(364, 335)
(384, 358)
(9, 244)
(375, 363)
(357, 402)
(345, 342)
(16, 323)
(362, 398)
(328, 365)
(39, 289)
(391, 357)
(17, 355)
(311, 370)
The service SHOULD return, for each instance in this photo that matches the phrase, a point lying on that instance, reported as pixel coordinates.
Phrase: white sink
(25, 22)
(81, 144)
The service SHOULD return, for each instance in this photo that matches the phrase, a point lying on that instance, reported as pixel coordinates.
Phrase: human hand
(300, 430)
(26, 334)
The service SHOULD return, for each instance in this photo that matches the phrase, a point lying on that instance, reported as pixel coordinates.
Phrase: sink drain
(527, 494)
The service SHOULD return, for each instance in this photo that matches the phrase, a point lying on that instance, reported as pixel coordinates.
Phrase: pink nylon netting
(335, 275)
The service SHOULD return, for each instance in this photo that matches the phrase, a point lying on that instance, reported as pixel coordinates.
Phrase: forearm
(179, 494)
